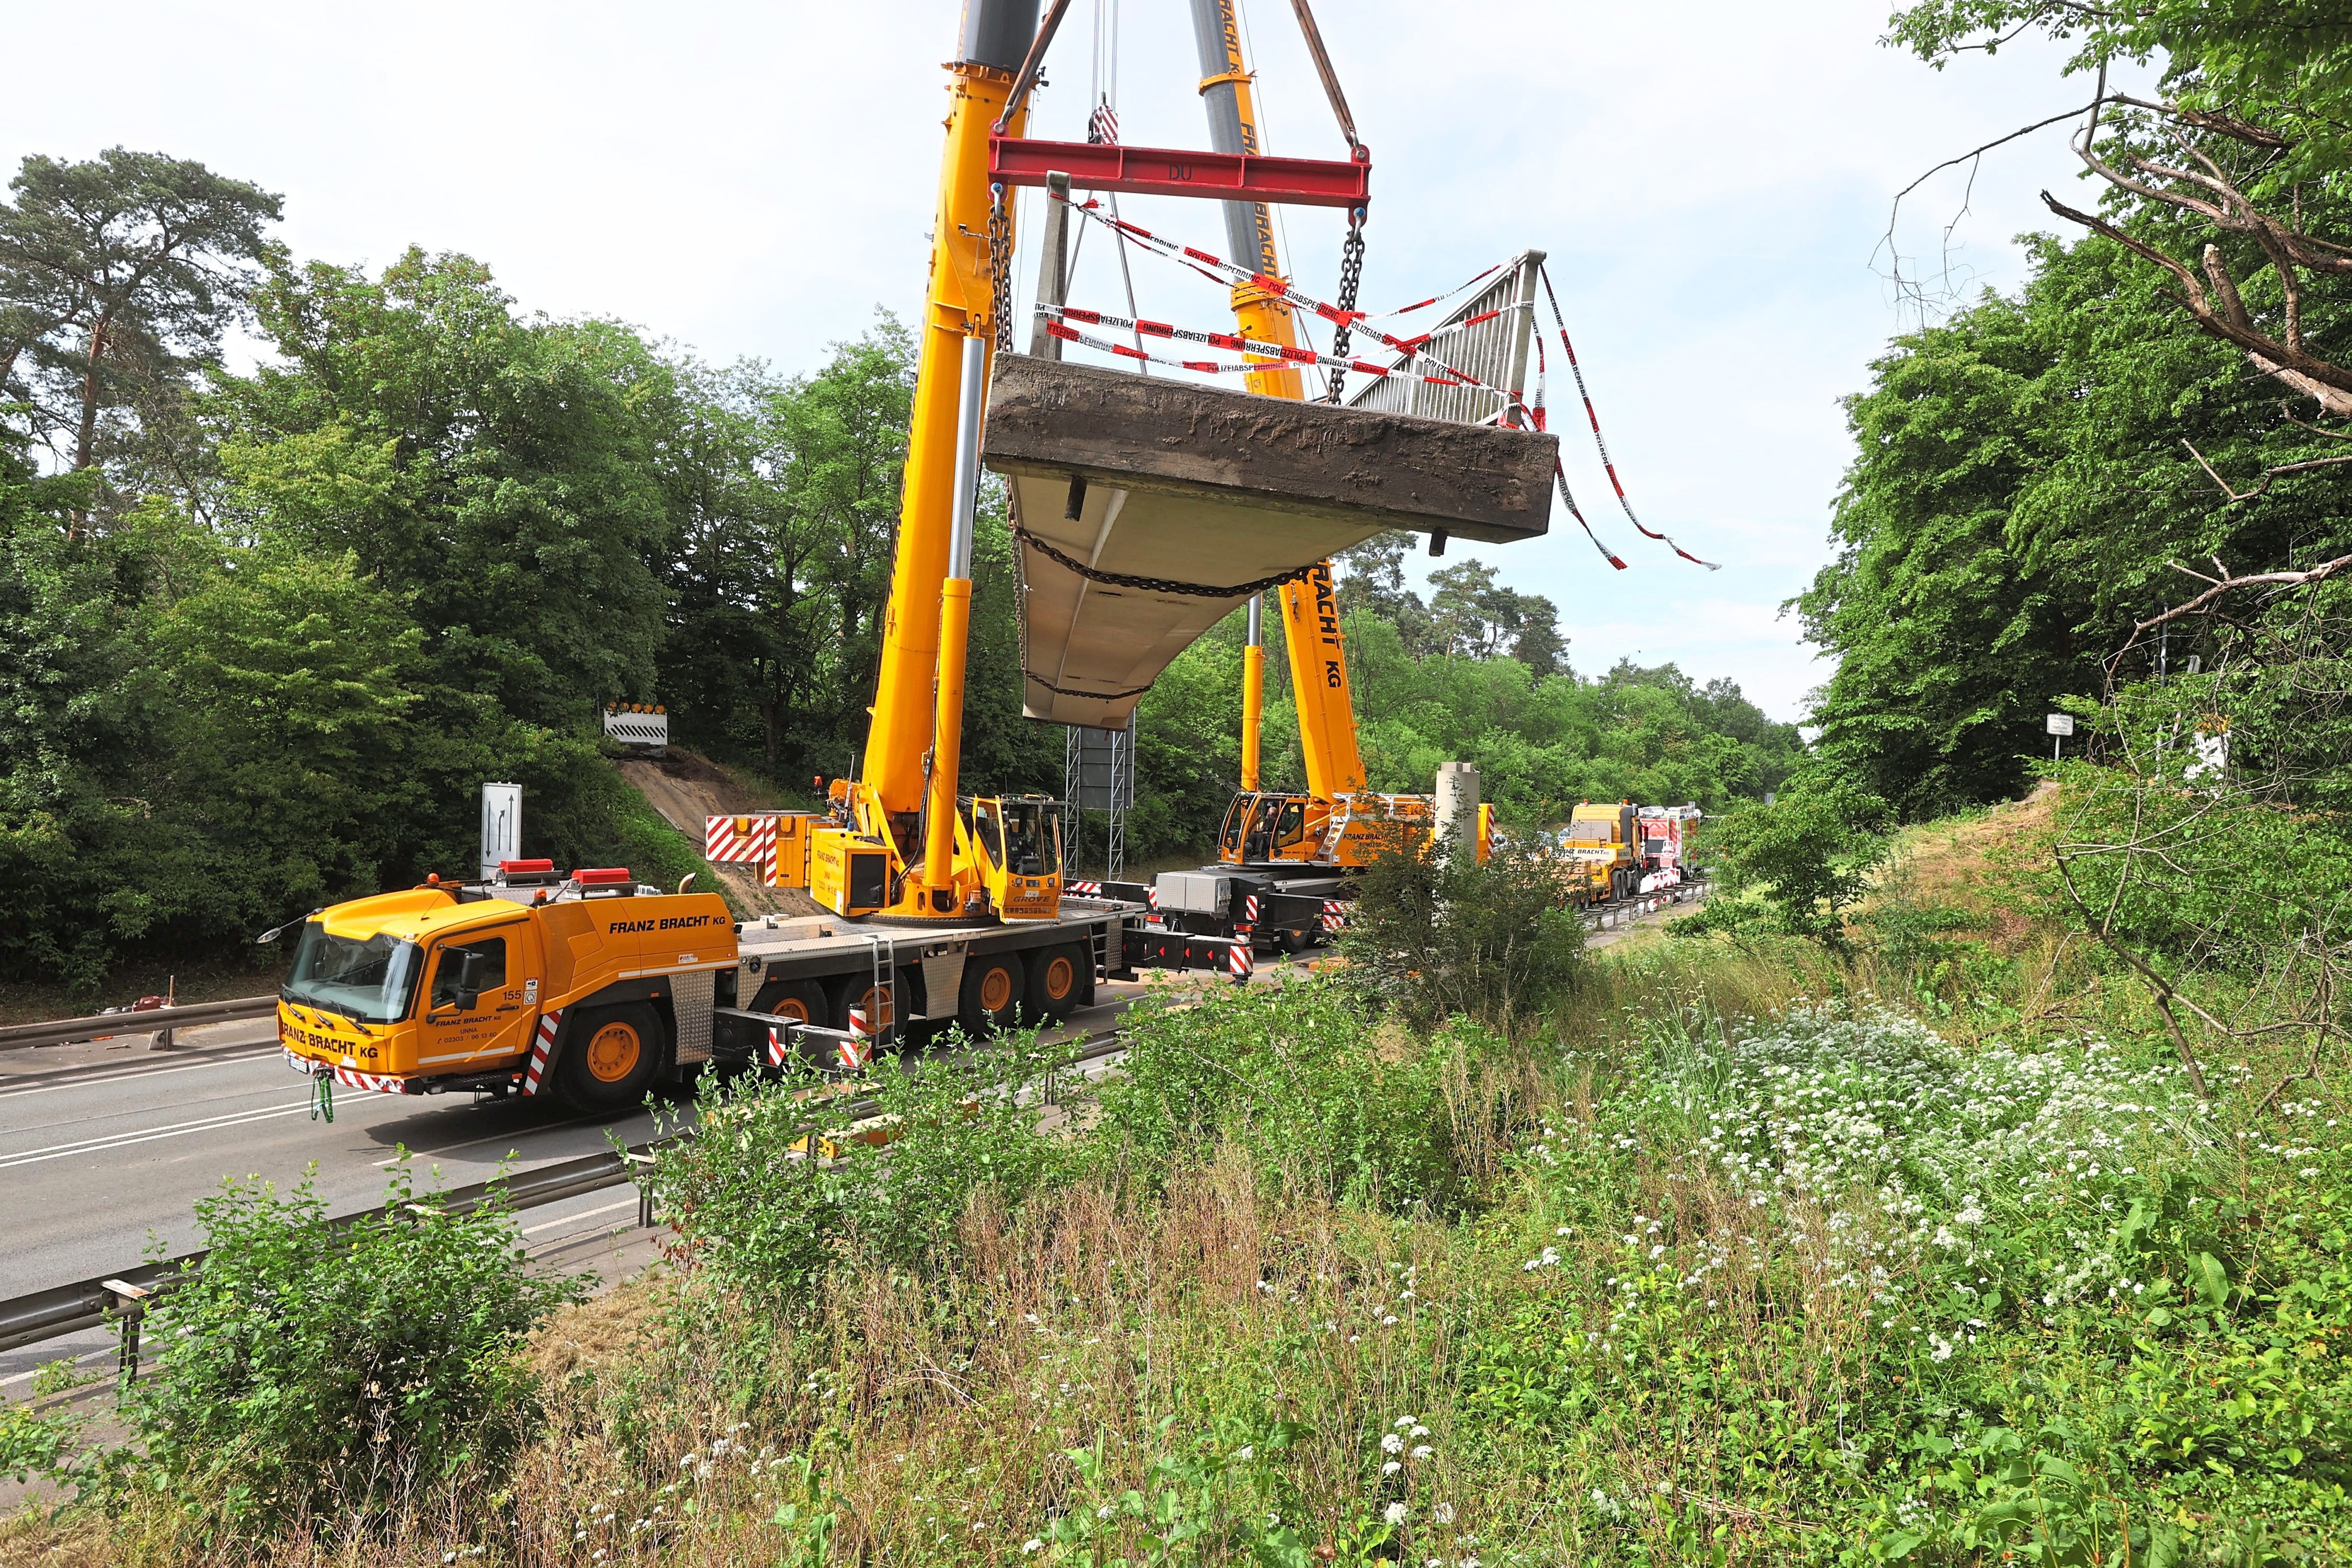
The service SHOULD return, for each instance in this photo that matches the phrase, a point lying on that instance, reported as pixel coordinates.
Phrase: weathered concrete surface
(1188, 487)
(1373, 469)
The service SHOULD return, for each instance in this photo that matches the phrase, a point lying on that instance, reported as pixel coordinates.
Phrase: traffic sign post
(2058, 726)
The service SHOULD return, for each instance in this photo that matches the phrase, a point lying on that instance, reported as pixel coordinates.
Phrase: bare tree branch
(2327, 384)
(2226, 584)
(2269, 474)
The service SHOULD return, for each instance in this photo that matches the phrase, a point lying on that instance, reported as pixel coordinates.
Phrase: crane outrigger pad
(1147, 510)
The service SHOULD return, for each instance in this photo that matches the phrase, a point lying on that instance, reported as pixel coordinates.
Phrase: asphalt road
(106, 1148)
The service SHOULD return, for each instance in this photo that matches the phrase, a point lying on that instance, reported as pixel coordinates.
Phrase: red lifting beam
(1171, 171)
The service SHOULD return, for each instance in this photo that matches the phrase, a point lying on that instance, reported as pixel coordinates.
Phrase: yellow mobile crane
(1336, 822)
(904, 848)
(589, 986)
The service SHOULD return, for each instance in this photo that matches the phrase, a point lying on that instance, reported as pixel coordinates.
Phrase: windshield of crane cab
(373, 980)
(1032, 840)
(1231, 840)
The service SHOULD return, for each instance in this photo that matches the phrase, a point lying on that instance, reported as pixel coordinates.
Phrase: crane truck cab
(1603, 851)
(1007, 849)
(587, 986)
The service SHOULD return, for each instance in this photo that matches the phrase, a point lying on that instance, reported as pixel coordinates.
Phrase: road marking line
(476, 1142)
(89, 1356)
(116, 1140)
(130, 1111)
(105, 1072)
(576, 1219)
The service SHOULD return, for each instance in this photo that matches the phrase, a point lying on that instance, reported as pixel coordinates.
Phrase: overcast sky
(1710, 180)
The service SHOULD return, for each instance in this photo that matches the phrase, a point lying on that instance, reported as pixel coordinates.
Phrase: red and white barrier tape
(1413, 346)
(1216, 269)
(1591, 414)
(1276, 355)
(1434, 298)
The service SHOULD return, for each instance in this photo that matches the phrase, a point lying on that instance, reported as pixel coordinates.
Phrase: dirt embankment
(686, 788)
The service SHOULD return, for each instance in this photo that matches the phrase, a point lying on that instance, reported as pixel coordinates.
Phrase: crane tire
(1058, 978)
(858, 990)
(612, 1057)
(990, 998)
(798, 1001)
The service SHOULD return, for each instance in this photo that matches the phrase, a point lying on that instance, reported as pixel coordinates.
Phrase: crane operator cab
(1017, 847)
(1261, 829)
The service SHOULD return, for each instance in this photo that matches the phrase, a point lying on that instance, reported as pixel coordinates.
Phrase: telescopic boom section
(996, 35)
(1310, 614)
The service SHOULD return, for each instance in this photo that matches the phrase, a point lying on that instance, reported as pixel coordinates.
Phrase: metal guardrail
(93, 1303)
(153, 1021)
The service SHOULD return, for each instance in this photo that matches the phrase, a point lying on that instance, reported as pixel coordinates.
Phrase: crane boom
(996, 33)
(1310, 614)
(902, 845)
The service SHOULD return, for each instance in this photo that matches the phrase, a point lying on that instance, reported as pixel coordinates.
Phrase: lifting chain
(1351, 274)
(999, 271)
(1073, 691)
(1160, 585)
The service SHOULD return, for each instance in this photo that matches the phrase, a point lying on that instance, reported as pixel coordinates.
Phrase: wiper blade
(330, 1013)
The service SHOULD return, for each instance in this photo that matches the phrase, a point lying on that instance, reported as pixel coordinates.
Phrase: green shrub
(1796, 865)
(309, 1368)
(1317, 1092)
(32, 1443)
(1438, 933)
(766, 1222)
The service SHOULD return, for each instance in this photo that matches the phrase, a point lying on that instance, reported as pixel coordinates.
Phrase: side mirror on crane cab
(468, 987)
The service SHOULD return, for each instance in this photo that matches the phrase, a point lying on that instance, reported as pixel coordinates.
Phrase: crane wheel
(1295, 941)
(801, 1001)
(990, 998)
(1058, 978)
(612, 1057)
(880, 1003)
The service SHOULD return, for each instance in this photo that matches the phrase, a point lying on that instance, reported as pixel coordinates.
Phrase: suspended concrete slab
(1145, 510)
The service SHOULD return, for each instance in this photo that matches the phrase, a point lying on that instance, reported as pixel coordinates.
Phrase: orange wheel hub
(1061, 974)
(996, 989)
(612, 1052)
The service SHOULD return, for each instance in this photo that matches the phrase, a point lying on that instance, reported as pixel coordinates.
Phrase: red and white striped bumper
(352, 1078)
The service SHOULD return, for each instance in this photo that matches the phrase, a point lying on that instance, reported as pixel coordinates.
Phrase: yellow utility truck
(588, 986)
(1600, 852)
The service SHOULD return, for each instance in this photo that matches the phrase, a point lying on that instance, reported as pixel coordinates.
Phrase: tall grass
(1742, 1253)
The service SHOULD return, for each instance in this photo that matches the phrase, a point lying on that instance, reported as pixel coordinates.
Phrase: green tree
(118, 277)
(1806, 858)
(499, 471)
(2020, 490)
